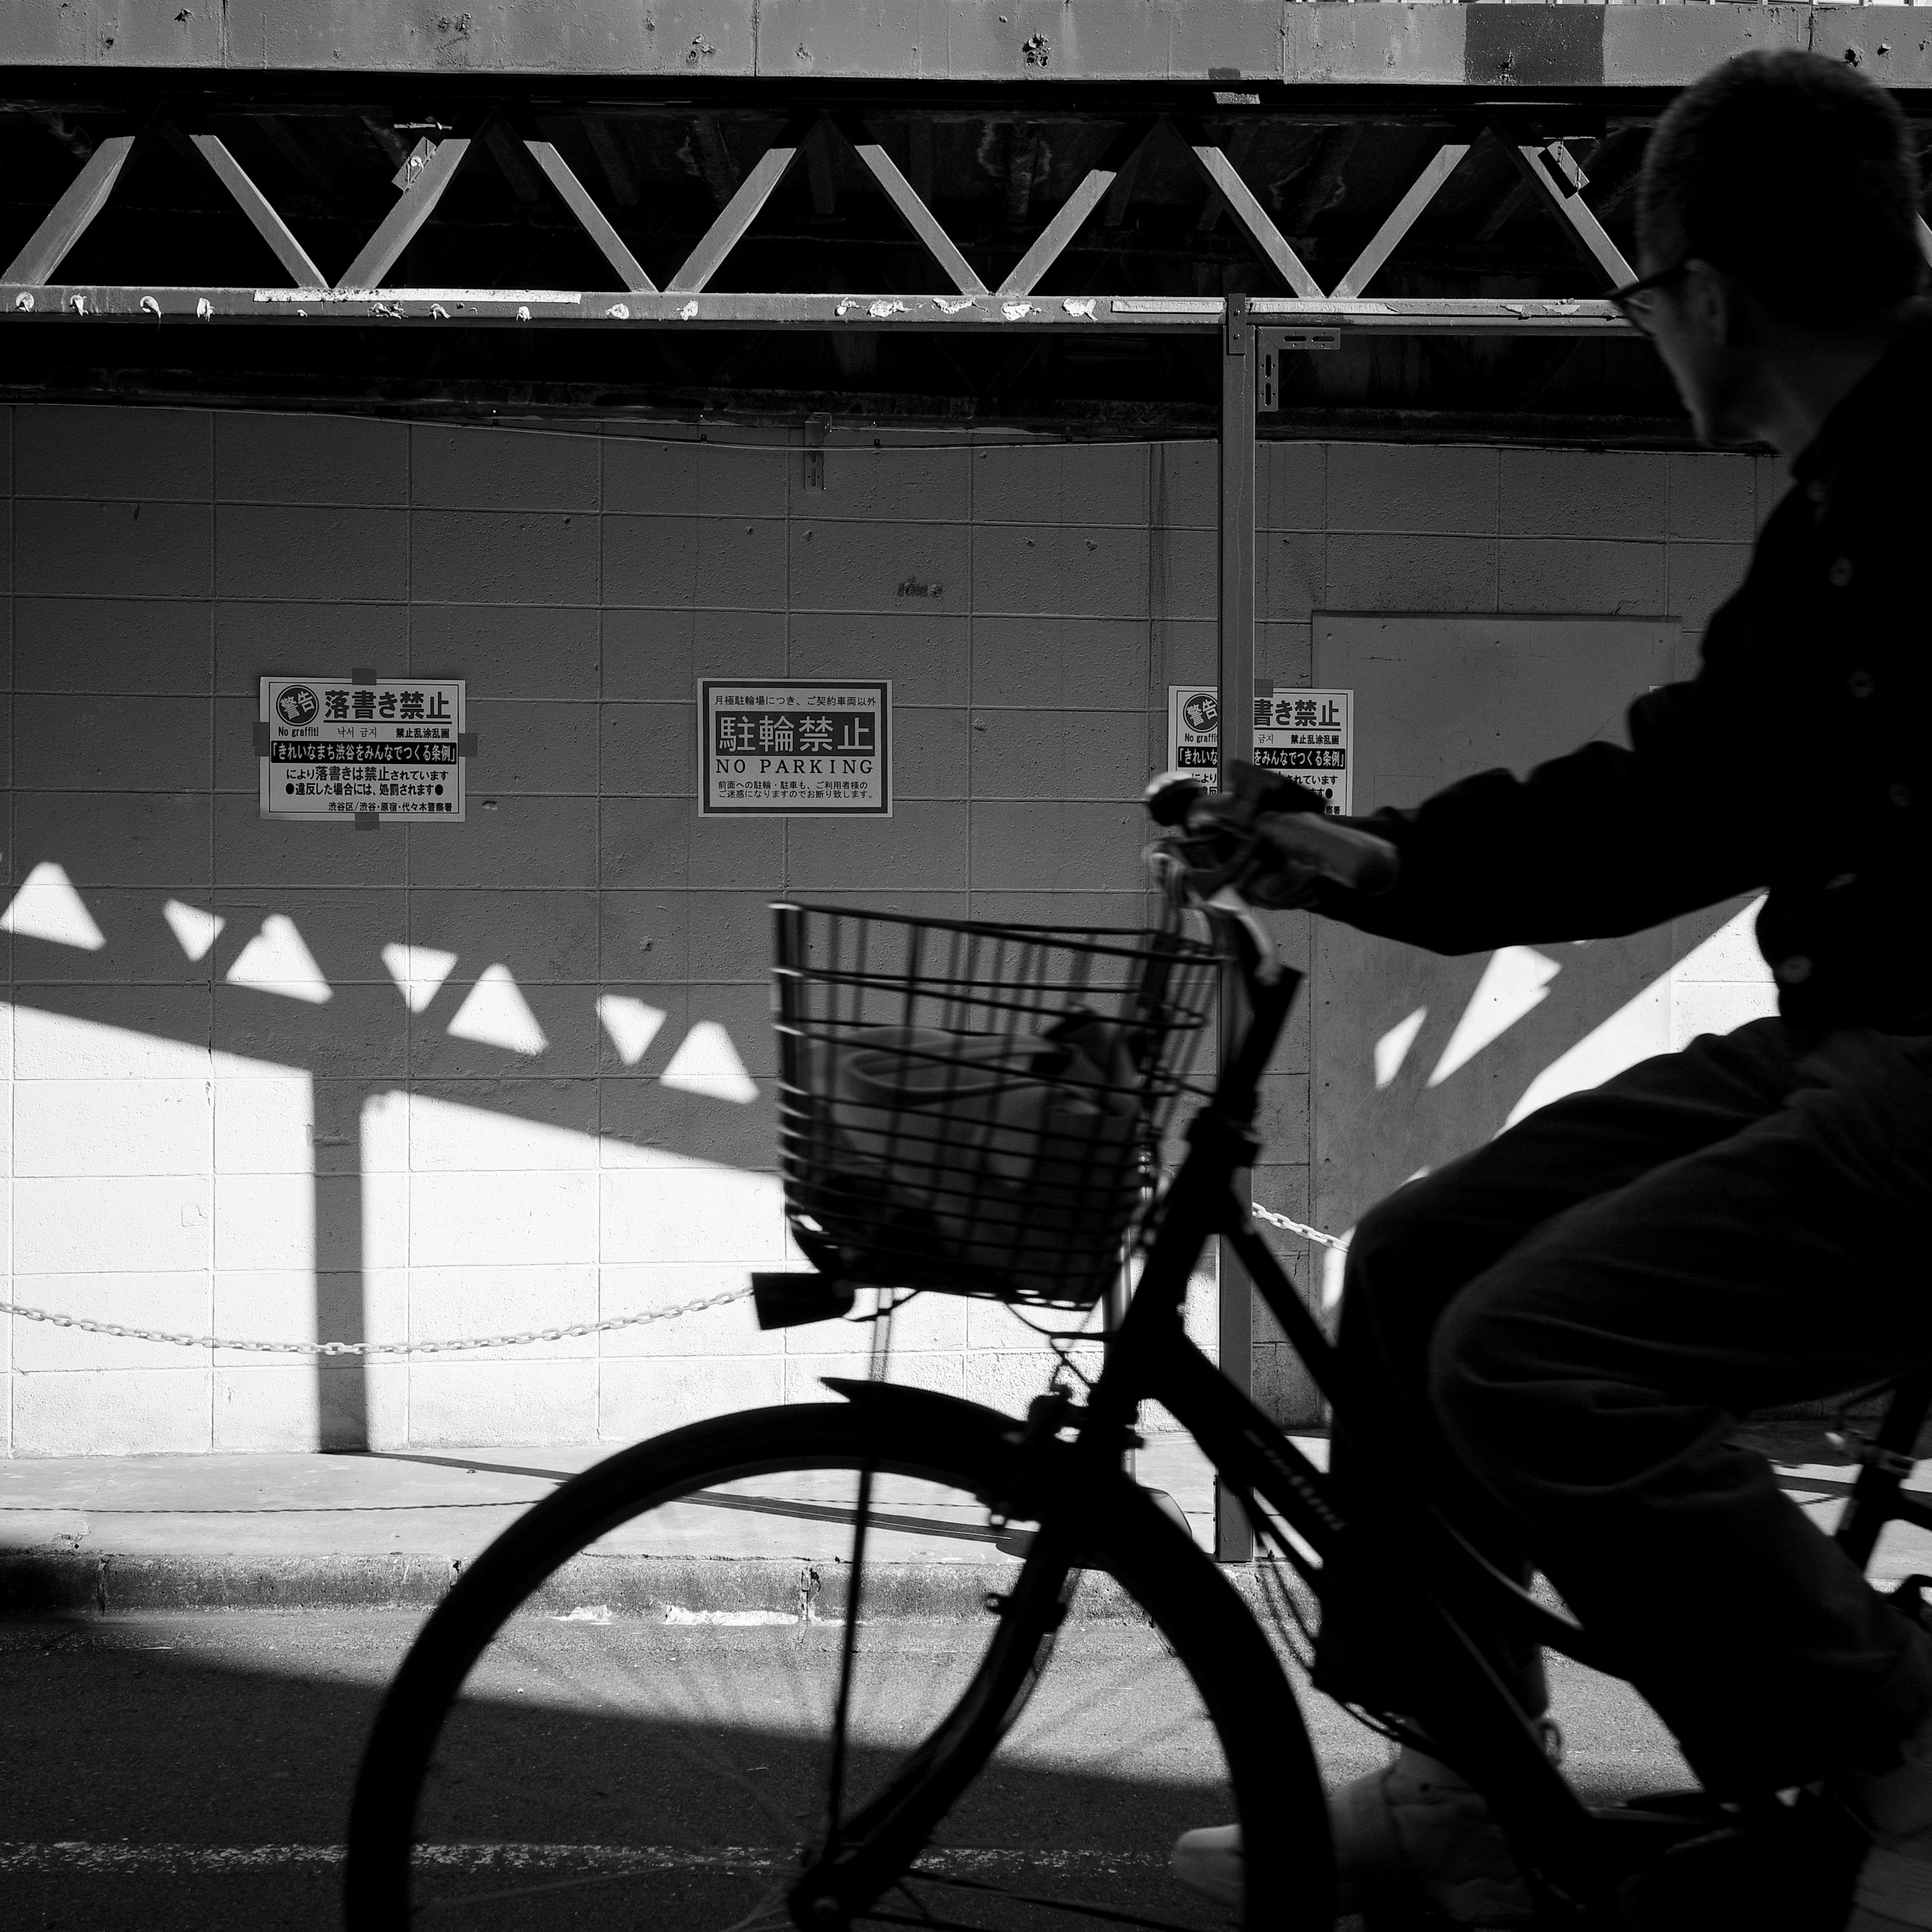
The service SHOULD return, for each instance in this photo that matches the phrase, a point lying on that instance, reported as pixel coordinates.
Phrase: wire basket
(977, 1108)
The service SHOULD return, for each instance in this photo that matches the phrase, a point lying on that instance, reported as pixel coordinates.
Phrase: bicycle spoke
(675, 1770)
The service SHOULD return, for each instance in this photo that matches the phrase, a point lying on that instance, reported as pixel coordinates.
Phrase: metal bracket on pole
(1273, 346)
(1233, 1538)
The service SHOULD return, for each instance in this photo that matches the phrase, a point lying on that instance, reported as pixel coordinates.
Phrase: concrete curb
(74, 1583)
(723, 1589)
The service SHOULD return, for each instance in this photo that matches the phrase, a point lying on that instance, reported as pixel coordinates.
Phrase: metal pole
(1234, 1539)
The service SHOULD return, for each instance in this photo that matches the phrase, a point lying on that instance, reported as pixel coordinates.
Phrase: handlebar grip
(1171, 797)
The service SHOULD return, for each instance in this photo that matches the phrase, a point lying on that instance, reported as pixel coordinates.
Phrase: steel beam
(255, 205)
(1547, 171)
(1407, 212)
(1051, 244)
(674, 310)
(1234, 680)
(1074, 214)
(1252, 219)
(1558, 183)
(1033, 45)
(576, 198)
(401, 225)
(68, 220)
(913, 210)
(739, 213)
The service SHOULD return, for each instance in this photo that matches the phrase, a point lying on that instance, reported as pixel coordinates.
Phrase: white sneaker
(1415, 1829)
(1894, 1892)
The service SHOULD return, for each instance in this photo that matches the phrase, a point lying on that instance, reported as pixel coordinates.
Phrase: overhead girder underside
(945, 258)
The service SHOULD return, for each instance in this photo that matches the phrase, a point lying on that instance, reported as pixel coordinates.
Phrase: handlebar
(1268, 839)
(1201, 866)
(1204, 868)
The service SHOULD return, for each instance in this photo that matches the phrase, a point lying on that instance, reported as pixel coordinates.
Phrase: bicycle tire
(1195, 1617)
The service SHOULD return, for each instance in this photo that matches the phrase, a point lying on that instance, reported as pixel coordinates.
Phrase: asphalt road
(193, 1771)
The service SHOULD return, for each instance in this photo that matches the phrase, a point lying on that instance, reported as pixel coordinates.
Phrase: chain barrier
(1301, 1228)
(523, 1338)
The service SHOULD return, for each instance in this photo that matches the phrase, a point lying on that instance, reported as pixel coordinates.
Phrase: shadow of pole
(341, 1309)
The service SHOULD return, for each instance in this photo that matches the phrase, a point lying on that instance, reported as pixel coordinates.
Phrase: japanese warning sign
(1307, 734)
(795, 748)
(344, 748)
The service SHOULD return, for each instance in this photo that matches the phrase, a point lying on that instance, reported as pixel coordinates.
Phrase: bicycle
(923, 1737)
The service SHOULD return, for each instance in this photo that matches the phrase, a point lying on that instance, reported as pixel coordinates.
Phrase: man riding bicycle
(1566, 1323)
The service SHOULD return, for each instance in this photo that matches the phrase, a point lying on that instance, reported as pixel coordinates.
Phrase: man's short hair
(1794, 173)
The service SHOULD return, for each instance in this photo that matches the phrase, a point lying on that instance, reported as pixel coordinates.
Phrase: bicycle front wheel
(647, 1704)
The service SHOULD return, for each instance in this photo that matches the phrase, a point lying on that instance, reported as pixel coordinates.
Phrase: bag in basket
(1015, 1153)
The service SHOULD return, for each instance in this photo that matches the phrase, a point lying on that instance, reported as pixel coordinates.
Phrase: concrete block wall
(191, 1150)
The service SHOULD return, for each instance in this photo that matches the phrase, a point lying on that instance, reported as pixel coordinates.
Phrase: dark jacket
(1796, 760)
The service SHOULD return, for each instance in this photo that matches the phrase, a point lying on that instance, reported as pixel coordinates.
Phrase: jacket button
(1792, 972)
(1899, 792)
(1860, 684)
(1840, 575)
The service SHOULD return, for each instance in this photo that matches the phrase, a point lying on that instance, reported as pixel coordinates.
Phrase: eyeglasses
(1630, 300)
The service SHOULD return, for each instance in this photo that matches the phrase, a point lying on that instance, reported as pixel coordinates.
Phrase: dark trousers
(1556, 1333)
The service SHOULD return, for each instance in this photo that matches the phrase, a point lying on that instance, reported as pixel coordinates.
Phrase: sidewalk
(394, 1530)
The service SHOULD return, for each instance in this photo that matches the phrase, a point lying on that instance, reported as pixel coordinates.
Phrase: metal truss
(1547, 174)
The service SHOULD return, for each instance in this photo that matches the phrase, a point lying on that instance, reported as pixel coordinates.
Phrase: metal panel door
(1417, 1058)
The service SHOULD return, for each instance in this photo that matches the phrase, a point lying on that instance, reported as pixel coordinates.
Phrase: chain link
(522, 1338)
(1300, 1227)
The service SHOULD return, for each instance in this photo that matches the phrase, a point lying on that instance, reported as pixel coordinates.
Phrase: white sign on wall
(1309, 735)
(812, 748)
(336, 747)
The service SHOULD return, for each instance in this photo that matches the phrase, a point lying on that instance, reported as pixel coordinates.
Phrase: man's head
(1779, 207)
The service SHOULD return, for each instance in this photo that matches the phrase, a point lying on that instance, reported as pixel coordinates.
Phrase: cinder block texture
(285, 1083)
(150, 455)
(1379, 487)
(309, 459)
(326, 555)
(1558, 493)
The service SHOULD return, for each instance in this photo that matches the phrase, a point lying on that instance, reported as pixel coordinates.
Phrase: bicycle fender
(914, 1405)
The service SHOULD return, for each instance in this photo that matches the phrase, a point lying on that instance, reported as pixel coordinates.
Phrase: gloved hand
(1318, 850)
(1305, 848)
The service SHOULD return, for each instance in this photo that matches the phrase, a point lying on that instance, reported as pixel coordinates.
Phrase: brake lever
(1215, 887)
(1268, 966)
(1216, 891)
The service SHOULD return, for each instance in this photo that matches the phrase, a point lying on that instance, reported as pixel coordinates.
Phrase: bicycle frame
(1469, 1710)
(1465, 1709)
